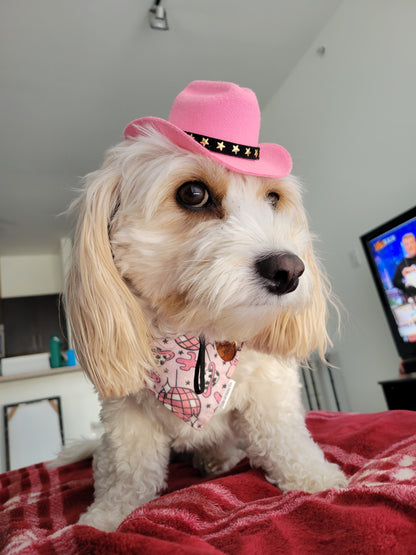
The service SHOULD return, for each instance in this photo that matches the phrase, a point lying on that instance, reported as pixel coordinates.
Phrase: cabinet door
(30, 322)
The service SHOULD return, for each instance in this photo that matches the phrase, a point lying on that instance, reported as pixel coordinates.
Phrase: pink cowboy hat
(222, 121)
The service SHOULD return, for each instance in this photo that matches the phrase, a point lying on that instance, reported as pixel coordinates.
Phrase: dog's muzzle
(280, 272)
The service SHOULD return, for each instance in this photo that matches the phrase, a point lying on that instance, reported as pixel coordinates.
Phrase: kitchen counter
(49, 372)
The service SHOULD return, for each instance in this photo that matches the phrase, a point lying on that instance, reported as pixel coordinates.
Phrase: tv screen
(391, 254)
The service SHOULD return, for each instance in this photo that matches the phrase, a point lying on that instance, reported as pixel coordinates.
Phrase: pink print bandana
(173, 382)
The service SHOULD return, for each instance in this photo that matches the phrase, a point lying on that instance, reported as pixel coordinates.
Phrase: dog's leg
(279, 441)
(130, 465)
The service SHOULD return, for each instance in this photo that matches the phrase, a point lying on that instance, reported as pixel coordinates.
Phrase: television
(390, 249)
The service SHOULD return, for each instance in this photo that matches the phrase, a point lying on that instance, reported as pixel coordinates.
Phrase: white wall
(23, 276)
(349, 120)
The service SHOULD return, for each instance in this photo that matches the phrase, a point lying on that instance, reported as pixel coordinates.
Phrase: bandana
(172, 384)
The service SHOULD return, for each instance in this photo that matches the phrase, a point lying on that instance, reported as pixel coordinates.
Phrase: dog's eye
(193, 195)
(273, 198)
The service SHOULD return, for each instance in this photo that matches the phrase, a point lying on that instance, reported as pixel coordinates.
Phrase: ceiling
(73, 73)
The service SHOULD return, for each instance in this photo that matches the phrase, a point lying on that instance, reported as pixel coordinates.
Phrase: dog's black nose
(281, 272)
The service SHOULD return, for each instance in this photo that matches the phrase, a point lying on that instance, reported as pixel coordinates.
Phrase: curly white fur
(145, 267)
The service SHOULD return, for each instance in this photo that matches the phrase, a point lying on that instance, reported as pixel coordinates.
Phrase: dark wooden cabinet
(400, 394)
(29, 323)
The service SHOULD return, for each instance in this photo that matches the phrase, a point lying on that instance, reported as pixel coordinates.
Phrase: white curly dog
(192, 296)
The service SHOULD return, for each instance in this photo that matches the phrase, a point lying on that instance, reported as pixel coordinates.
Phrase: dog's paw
(102, 520)
(313, 479)
(216, 461)
(107, 516)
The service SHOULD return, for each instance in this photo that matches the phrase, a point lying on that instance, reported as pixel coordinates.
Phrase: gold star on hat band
(226, 147)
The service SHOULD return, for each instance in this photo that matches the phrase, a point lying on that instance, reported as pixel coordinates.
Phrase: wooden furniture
(400, 394)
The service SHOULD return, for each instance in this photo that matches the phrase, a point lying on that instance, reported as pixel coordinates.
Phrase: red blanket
(238, 512)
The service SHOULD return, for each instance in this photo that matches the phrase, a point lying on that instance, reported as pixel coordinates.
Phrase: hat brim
(274, 161)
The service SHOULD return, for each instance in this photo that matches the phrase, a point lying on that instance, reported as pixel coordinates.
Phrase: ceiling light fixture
(157, 17)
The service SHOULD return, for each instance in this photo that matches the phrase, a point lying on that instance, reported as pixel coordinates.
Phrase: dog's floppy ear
(298, 333)
(110, 333)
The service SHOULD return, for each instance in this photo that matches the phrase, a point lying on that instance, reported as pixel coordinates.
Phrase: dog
(193, 294)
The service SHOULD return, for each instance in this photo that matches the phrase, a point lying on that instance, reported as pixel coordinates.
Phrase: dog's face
(207, 250)
(169, 242)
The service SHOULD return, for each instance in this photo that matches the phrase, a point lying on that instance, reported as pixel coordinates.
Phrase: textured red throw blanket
(238, 512)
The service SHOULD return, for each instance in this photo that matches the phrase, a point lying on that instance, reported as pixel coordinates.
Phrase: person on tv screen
(405, 275)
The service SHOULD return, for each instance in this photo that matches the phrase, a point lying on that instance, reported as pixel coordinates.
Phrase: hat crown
(218, 109)
(222, 121)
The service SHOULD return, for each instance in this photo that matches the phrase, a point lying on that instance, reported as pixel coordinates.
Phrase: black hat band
(225, 147)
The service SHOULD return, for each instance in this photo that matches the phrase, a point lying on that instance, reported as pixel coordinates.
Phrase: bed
(238, 512)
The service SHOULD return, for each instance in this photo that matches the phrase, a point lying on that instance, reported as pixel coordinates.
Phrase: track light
(157, 17)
